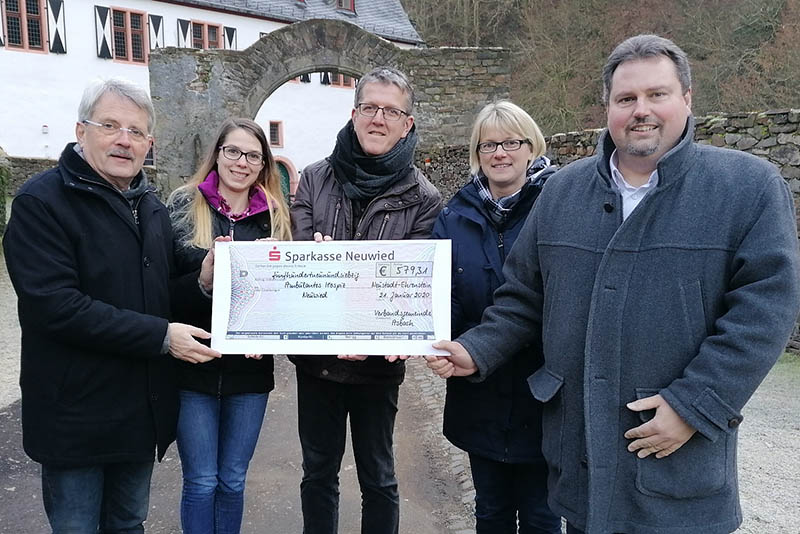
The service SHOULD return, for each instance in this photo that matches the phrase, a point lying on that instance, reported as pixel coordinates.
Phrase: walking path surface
(435, 486)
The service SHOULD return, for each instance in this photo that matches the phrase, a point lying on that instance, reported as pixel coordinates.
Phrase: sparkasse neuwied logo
(274, 254)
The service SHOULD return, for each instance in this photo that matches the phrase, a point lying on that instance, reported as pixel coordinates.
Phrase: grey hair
(642, 47)
(387, 75)
(120, 87)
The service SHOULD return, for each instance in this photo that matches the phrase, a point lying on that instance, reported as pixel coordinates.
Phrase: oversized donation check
(335, 297)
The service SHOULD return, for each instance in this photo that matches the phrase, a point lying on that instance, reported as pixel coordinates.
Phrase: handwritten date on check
(335, 297)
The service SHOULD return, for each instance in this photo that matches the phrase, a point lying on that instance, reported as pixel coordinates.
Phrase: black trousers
(323, 408)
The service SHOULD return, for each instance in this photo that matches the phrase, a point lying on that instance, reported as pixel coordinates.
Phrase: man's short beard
(642, 151)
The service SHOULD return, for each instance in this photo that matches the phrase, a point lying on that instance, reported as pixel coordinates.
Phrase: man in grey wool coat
(661, 277)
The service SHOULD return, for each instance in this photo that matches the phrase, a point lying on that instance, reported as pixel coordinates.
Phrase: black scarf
(139, 185)
(364, 177)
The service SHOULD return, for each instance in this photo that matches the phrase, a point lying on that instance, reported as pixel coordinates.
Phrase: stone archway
(194, 90)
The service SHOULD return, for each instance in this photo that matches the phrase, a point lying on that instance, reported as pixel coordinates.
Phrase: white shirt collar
(620, 181)
(631, 196)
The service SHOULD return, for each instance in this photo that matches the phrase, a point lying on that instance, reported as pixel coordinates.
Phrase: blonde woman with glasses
(497, 421)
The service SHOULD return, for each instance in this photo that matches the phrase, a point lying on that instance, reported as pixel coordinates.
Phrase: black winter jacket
(93, 296)
(498, 418)
(233, 373)
(406, 210)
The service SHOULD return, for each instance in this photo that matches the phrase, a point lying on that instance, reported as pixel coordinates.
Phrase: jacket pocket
(700, 468)
(694, 314)
(545, 387)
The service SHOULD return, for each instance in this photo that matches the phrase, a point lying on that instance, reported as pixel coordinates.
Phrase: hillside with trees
(745, 54)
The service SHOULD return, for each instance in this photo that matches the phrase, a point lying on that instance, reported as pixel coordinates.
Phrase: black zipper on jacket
(230, 228)
(135, 210)
(335, 219)
(219, 385)
(501, 246)
(383, 226)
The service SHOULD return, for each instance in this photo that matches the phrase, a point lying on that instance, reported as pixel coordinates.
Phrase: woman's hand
(206, 277)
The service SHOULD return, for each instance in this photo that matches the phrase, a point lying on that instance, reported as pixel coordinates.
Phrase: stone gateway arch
(194, 90)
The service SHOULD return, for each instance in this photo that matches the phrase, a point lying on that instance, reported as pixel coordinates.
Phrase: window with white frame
(206, 35)
(275, 133)
(129, 35)
(347, 5)
(25, 24)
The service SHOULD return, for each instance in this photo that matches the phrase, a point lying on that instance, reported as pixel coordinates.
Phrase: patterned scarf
(499, 209)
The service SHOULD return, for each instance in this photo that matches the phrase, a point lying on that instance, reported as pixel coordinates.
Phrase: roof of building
(386, 18)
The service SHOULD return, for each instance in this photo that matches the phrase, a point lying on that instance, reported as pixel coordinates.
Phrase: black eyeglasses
(233, 153)
(390, 114)
(509, 145)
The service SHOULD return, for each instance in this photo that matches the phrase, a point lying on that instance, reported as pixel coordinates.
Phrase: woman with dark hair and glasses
(497, 421)
(236, 192)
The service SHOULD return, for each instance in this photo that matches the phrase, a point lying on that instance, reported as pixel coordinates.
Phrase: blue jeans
(322, 408)
(506, 493)
(113, 498)
(216, 440)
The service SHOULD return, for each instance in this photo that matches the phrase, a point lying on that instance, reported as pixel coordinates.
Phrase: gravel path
(769, 457)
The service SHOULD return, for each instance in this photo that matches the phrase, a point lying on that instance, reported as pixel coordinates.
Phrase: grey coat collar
(671, 167)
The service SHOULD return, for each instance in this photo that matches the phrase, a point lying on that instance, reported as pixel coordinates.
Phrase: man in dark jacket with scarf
(368, 188)
(662, 276)
(89, 252)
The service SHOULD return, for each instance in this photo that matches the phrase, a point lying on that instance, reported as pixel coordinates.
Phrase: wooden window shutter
(184, 33)
(230, 38)
(102, 24)
(56, 27)
(156, 31)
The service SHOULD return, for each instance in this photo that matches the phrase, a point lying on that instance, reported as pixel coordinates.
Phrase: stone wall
(23, 168)
(5, 176)
(447, 167)
(772, 135)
